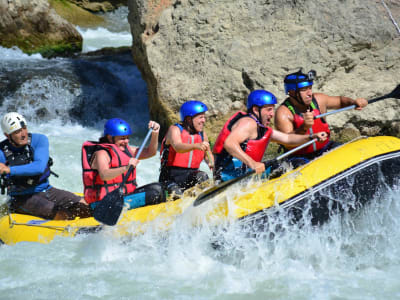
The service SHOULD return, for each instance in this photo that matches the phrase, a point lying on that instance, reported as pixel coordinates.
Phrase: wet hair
(103, 140)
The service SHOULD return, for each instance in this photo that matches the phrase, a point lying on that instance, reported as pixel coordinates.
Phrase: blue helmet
(298, 80)
(117, 127)
(260, 98)
(192, 108)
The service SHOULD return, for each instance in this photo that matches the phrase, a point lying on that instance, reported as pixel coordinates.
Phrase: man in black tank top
(296, 114)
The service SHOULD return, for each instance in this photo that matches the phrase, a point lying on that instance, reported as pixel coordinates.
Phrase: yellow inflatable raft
(342, 179)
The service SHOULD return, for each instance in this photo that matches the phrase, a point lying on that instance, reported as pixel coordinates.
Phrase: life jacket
(191, 159)
(17, 184)
(94, 187)
(253, 148)
(320, 125)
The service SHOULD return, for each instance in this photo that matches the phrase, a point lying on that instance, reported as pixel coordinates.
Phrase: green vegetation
(49, 51)
(75, 15)
(39, 44)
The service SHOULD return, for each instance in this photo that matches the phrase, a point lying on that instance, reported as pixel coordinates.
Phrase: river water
(351, 257)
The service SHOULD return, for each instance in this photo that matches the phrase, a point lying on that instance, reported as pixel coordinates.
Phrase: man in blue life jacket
(25, 160)
(244, 138)
(296, 114)
(183, 149)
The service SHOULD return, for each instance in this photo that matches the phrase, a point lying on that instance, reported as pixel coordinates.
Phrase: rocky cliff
(218, 51)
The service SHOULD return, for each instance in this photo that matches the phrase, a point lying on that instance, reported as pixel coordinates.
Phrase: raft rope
(391, 16)
(59, 228)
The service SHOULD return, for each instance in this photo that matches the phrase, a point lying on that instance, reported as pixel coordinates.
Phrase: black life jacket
(20, 183)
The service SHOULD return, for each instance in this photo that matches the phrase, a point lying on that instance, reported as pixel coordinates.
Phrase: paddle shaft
(144, 143)
(280, 157)
(137, 157)
(394, 94)
(221, 187)
(286, 154)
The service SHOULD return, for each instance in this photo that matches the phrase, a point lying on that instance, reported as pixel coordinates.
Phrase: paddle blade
(109, 209)
(393, 94)
(396, 92)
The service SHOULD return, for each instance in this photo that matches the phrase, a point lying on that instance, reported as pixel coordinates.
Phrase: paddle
(110, 207)
(211, 192)
(393, 94)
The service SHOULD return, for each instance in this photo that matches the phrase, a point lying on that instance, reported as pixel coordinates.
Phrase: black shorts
(183, 177)
(44, 204)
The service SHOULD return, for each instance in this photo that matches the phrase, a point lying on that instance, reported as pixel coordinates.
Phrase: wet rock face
(218, 51)
(33, 26)
(93, 87)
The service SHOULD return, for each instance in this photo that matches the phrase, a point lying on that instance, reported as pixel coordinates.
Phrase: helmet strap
(257, 118)
(297, 98)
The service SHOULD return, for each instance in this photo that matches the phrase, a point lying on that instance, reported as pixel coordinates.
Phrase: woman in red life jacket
(183, 149)
(105, 163)
(296, 114)
(245, 136)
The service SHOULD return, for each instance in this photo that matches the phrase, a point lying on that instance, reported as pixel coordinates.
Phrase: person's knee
(174, 189)
(201, 177)
(81, 210)
(155, 194)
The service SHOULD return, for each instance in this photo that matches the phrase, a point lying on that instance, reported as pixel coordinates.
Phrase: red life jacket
(191, 159)
(319, 126)
(253, 148)
(94, 187)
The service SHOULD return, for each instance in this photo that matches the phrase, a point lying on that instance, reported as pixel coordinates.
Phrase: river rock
(218, 51)
(99, 5)
(33, 26)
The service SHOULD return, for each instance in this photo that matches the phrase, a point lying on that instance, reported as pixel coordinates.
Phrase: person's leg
(195, 177)
(68, 206)
(37, 205)
(298, 161)
(148, 194)
(175, 184)
(174, 189)
(155, 193)
(331, 145)
(168, 182)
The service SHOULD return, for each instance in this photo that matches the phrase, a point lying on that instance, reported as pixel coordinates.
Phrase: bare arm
(150, 150)
(296, 139)
(174, 139)
(336, 102)
(209, 157)
(101, 162)
(243, 130)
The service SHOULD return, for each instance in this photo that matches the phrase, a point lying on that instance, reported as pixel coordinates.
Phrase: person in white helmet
(25, 164)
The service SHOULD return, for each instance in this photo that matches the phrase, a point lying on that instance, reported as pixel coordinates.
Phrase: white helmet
(12, 121)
